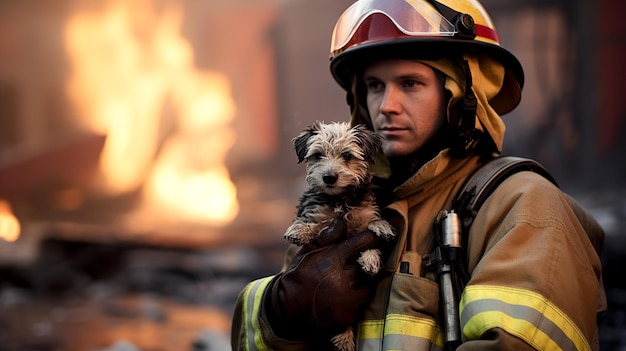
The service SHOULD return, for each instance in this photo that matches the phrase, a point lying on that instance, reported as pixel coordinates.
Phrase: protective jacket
(535, 276)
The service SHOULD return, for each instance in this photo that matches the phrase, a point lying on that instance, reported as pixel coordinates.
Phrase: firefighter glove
(323, 289)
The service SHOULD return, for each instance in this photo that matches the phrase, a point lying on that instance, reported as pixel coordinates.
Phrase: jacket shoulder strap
(489, 176)
(479, 186)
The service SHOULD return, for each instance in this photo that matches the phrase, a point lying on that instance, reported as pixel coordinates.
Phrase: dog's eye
(316, 156)
(347, 156)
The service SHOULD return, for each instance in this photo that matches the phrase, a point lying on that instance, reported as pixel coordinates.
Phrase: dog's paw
(296, 240)
(298, 234)
(382, 228)
(370, 261)
(344, 341)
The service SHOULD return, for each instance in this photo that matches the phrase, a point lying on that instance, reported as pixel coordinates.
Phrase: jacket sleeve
(535, 275)
(250, 328)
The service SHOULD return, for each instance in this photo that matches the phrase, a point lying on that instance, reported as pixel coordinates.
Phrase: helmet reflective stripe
(251, 307)
(399, 332)
(523, 313)
(487, 34)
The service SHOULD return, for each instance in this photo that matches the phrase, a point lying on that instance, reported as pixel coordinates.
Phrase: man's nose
(390, 103)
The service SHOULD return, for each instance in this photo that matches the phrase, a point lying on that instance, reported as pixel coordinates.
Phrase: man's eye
(347, 156)
(373, 85)
(411, 83)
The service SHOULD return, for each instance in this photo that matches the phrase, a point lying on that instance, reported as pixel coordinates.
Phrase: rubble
(114, 296)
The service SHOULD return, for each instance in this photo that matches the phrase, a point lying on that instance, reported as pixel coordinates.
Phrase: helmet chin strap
(466, 136)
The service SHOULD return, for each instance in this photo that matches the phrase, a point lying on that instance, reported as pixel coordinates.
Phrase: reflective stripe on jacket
(525, 314)
(252, 300)
(400, 332)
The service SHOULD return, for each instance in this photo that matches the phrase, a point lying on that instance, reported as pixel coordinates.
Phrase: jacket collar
(436, 175)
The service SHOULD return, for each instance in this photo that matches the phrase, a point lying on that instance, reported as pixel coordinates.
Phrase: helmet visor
(412, 17)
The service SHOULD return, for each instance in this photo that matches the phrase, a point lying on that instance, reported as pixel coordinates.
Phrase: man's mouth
(391, 130)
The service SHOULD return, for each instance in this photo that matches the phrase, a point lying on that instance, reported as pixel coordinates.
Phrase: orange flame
(131, 71)
(9, 225)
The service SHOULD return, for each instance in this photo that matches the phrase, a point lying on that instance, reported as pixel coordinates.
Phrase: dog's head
(337, 157)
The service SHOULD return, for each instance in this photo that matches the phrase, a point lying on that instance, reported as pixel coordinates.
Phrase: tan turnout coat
(535, 276)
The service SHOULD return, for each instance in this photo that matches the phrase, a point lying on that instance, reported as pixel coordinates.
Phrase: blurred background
(146, 166)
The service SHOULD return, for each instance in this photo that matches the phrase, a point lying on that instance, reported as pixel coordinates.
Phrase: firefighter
(433, 80)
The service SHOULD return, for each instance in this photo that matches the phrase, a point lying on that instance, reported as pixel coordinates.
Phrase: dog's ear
(369, 141)
(301, 142)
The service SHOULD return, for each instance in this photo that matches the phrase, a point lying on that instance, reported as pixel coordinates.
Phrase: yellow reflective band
(523, 313)
(398, 330)
(252, 307)
(371, 330)
(412, 326)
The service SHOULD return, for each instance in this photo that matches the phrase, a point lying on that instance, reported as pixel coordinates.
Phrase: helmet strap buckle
(465, 27)
(463, 22)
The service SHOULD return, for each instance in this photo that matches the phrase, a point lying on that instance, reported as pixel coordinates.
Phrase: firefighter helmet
(371, 29)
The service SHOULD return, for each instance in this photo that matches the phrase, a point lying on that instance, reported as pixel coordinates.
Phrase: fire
(134, 79)
(189, 177)
(9, 225)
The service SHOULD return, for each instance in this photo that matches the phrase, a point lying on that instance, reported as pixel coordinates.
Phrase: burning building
(145, 175)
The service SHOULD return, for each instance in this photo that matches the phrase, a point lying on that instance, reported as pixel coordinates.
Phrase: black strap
(479, 186)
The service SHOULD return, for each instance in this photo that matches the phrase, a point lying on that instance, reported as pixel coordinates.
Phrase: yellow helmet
(371, 29)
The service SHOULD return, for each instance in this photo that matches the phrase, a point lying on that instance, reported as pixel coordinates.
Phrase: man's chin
(396, 151)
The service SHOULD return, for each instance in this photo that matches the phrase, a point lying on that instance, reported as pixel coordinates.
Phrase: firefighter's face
(406, 102)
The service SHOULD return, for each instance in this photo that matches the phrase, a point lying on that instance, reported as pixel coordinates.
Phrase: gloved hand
(323, 289)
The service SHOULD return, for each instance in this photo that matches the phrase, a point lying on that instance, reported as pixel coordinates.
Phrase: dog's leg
(344, 341)
(370, 261)
(382, 228)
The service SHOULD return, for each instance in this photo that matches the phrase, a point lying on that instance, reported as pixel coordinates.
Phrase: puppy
(338, 160)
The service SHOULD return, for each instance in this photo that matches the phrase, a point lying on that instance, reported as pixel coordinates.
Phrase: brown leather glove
(322, 291)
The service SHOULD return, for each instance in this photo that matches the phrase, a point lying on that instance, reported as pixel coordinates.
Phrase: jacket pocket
(410, 322)
(413, 296)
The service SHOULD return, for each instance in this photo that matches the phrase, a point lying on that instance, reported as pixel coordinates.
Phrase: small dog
(338, 160)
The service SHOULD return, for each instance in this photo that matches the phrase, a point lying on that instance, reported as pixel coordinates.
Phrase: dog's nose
(329, 179)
